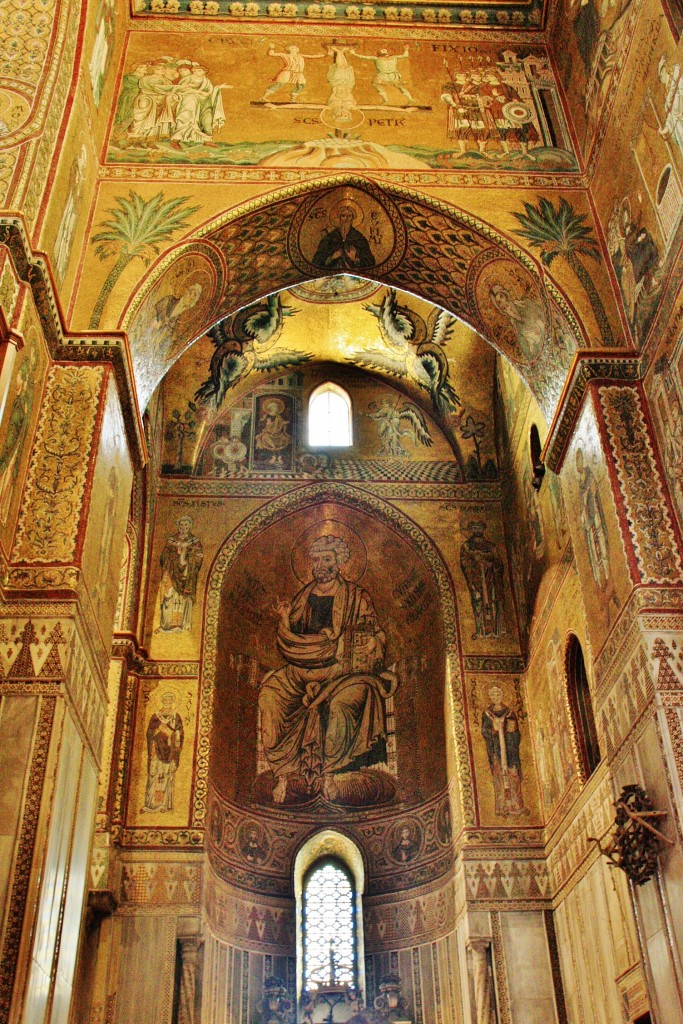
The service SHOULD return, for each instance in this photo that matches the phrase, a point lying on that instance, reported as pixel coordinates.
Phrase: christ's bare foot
(280, 790)
(329, 787)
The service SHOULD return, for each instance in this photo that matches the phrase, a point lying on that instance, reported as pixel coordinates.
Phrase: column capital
(478, 944)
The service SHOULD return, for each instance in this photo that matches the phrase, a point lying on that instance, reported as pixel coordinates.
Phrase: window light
(329, 417)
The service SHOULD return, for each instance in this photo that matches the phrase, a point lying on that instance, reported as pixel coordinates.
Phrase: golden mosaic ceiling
(442, 383)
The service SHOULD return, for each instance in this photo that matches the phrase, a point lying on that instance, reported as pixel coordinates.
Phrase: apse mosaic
(320, 680)
(329, 702)
(255, 848)
(321, 102)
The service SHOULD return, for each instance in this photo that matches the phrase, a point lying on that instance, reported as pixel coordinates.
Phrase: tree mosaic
(563, 234)
(137, 229)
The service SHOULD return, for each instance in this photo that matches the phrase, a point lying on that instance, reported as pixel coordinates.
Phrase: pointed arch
(419, 244)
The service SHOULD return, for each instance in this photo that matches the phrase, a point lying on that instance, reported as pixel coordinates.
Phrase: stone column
(482, 981)
(189, 956)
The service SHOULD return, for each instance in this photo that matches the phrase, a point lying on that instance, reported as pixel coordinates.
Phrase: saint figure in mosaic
(500, 729)
(483, 570)
(323, 713)
(165, 736)
(181, 561)
(593, 521)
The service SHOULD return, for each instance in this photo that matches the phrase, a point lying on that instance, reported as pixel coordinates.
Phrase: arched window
(329, 925)
(581, 707)
(535, 450)
(329, 879)
(534, 446)
(329, 417)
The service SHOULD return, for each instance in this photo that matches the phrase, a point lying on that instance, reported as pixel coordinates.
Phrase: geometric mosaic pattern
(655, 539)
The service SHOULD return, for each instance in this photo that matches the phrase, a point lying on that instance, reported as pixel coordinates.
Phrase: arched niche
(252, 838)
(423, 246)
(402, 597)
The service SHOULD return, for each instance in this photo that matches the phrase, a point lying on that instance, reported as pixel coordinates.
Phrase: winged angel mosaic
(247, 342)
(413, 349)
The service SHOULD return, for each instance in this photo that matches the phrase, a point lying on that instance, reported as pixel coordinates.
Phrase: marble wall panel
(649, 759)
(528, 968)
(142, 972)
(429, 973)
(54, 877)
(597, 946)
(17, 722)
(76, 887)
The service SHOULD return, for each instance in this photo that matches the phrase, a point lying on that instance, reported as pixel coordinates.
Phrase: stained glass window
(328, 926)
(329, 417)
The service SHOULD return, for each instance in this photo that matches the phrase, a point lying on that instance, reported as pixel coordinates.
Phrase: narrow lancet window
(329, 933)
(329, 417)
(581, 707)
